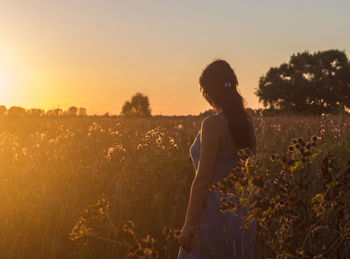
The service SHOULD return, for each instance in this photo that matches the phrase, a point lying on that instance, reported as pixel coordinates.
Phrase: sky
(98, 54)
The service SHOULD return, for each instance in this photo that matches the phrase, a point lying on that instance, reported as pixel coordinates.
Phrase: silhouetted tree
(57, 112)
(34, 112)
(3, 110)
(138, 106)
(16, 111)
(82, 112)
(318, 82)
(126, 108)
(72, 111)
(50, 113)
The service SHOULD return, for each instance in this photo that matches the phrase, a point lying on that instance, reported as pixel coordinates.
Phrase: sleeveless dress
(220, 235)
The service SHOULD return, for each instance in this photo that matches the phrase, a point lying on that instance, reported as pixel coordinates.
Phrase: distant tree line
(309, 83)
(137, 106)
(17, 111)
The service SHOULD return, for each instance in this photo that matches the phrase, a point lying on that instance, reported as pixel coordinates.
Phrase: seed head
(301, 141)
(273, 157)
(308, 145)
(314, 138)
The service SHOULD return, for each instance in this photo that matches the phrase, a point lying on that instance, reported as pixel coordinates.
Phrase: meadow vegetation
(117, 187)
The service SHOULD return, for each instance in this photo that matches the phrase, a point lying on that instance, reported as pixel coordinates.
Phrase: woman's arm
(209, 138)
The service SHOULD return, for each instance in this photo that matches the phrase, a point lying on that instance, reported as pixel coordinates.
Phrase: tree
(318, 82)
(58, 112)
(34, 112)
(3, 110)
(138, 106)
(16, 111)
(50, 113)
(82, 112)
(72, 111)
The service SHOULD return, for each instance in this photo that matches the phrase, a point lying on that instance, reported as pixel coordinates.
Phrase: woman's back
(219, 232)
(225, 160)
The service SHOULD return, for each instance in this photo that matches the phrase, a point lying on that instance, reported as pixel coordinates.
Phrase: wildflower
(213, 186)
(148, 239)
(273, 157)
(314, 138)
(110, 152)
(167, 230)
(159, 140)
(281, 204)
(248, 152)
(241, 152)
(290, 148)
(301, 141)
(177, 233)
(308, 145)
(284, 159)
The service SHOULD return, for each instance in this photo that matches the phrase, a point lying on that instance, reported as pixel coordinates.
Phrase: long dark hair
(218, 84)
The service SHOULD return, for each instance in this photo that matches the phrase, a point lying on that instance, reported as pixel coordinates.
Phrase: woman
(208, 232)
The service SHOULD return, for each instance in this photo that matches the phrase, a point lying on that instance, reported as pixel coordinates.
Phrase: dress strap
(220, 115)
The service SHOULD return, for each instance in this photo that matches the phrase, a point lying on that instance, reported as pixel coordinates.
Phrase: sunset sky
(97, 54)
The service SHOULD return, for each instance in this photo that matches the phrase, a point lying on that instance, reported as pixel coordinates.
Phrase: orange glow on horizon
(97, 55)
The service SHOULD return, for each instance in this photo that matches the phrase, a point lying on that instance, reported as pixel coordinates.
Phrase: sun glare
(5, 89)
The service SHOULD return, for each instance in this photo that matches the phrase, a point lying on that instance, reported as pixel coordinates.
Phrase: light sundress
(220, 234)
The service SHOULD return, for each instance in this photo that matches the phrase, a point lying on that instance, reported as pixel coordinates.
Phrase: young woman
(208, 232)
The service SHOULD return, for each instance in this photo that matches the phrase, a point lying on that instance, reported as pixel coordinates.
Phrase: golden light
(5, 89)
(7, 69)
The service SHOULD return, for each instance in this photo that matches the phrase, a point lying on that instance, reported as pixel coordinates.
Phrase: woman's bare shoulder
(213, 125)
(212, 120)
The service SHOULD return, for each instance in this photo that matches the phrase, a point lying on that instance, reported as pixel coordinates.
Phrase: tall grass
(116, 187)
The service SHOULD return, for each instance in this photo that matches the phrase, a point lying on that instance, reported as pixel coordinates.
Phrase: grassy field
(104, 187)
